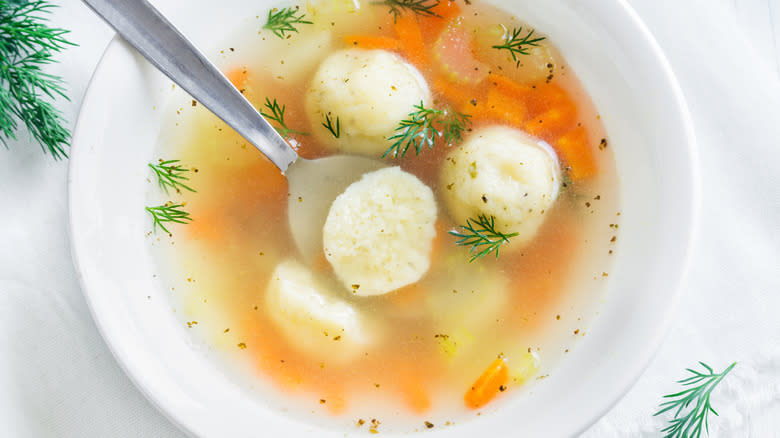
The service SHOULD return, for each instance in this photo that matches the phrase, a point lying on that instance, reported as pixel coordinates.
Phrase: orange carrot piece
(577, 153)
(509, 87)
(206, 227)
(488, 385)
(410, 36)
(546, 96)
(432, 26)
(238, 77)
(506, 109)
(372, 42)
(458, 95)
(552, 123)
(416, 397)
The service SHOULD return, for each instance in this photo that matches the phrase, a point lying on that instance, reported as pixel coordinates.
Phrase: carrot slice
(416, 397)
(410, 36)
(372, 42)
(546, 96)
(458, 95)
(552, 123)
(238, 77)
(488, 385)
(505, 108)
(413, 384)
(432, 26)
(577, 153)
(454, 55)
(509, 87)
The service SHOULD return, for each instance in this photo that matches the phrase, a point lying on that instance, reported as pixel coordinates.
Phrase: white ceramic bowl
(645, 115)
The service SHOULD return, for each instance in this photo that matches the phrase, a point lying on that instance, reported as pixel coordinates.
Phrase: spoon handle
(144, 28)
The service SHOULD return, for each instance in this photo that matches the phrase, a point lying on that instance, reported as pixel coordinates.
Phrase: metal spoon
(313, 184)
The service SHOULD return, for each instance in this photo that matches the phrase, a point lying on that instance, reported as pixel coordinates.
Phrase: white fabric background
(58, 379)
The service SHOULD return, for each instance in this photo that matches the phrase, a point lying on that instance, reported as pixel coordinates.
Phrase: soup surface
(420, 329)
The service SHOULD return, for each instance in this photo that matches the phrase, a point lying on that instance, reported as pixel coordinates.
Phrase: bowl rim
(690, 229)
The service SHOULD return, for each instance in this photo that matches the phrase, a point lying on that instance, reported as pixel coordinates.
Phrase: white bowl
(646, 118)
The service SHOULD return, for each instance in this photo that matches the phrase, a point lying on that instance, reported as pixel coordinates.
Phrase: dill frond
(519, 45)
(420, 7)
(284, 20)
(168, 212)
(334, 129)
(171, 175)
(691, 423)
(423, 126)
(277, 115)
(481, 235)
(27, 45)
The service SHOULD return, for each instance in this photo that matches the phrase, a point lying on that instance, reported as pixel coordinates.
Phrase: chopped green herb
(277, 115)
(481, 235)
(171, 175)
(168, 212)
(419, 7)
(27, 44)
(423, 126)
(328, 124)
(519, 45)
(283, 20)
(699, 385)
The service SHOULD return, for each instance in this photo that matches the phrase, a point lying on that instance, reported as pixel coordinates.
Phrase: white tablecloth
(58, 379)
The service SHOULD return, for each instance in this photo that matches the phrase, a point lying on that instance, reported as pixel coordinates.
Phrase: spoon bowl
(314, 184)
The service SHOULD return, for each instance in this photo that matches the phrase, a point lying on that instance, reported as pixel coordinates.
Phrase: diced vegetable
(453, 55)
(459, 95)
(238, 77)
(432, 26)
(546, 96)
(372, 42)
(577, 153)
(525, 368)
(416, 397)
(505, 108)
(538, 64)
(413, 381)
(552, 123)
(488, 385)
(509, 87)
(410, 36)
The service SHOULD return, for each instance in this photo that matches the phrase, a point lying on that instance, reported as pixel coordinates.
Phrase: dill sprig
(481, 235)
(27, 44)
(419, 7)
(334, 129)
(171, 175)
(690, 424)
(168, 212)
(277, 115)
(423, 126)
(453, 125)
(519, 45)
(283, 20)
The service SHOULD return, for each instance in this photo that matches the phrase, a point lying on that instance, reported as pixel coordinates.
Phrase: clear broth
(217, 267)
